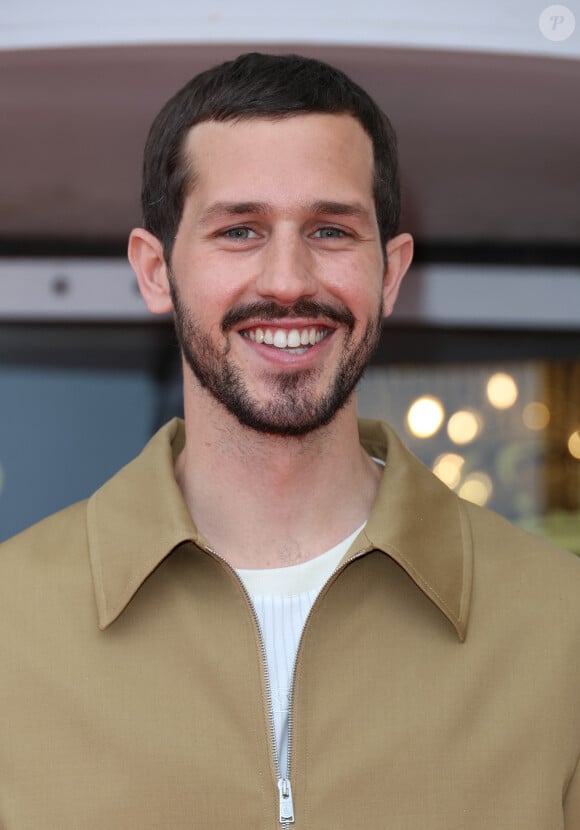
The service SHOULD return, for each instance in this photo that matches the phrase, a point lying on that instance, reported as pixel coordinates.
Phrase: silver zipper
(322, 591)
(286, 811)
(285, 799)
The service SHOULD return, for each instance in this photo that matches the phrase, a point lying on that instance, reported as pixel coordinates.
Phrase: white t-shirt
(282, 599)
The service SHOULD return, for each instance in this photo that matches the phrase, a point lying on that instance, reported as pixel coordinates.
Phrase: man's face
(277, 268)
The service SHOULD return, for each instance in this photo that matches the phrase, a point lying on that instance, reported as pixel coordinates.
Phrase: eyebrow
(341, 209)
(231, 209)
(321, 207)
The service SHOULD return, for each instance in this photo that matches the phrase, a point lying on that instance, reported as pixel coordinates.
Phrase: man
(275, 615)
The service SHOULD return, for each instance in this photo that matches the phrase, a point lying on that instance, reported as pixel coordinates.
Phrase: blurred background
(479, 367)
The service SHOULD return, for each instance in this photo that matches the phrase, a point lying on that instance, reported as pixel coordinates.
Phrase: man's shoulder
(68, 526)
(44, 569)
(502, 558)
(491, 528)
(56, 532)
(520, 557)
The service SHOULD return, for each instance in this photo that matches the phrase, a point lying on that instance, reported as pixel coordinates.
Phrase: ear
(146, 257)
(399, 253)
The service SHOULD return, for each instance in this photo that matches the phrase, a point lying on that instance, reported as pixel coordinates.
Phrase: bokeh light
(477, 488)
(574, 444)
(425, 416)
(502, 390)
(536, 415)
(464, 426)
(447, 467)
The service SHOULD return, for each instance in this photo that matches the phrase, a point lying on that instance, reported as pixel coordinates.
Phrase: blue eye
(329, 233)
(240, 233)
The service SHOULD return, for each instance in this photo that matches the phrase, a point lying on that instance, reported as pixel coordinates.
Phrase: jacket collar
(420, 524)
(139, 517)
(135, 520)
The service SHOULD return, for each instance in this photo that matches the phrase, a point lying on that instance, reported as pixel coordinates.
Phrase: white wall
(493, 25)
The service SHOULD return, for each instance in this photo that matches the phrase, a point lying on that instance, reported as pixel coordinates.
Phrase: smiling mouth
(295, 341)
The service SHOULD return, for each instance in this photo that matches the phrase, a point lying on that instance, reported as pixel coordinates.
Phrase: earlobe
(399, 254)
(145, 253)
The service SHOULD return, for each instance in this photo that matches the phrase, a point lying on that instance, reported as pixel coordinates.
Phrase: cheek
(361, 267)
(208, 288)
(223, 277)
(359, 288)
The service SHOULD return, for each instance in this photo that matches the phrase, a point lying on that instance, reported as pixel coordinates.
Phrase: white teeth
(284, 339)
(280, 339)
(293, 338)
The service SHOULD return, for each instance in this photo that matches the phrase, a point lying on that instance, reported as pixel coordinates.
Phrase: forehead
(316, 155)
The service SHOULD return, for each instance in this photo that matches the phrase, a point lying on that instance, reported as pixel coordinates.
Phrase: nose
(286, 269)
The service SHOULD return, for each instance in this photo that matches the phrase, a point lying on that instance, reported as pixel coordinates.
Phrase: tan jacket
(437, 684)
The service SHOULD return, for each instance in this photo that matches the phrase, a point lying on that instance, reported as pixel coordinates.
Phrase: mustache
(273, 311)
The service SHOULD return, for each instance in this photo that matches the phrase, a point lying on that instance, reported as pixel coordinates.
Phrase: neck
(271, 501)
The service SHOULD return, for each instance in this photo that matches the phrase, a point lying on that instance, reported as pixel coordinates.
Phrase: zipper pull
(286, 803)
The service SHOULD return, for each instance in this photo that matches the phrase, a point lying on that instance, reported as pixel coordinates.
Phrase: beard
(293, 408)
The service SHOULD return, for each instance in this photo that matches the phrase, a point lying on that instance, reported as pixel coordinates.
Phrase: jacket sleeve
(572, 802)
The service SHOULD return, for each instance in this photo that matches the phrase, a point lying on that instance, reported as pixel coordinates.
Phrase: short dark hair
(259, 86)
